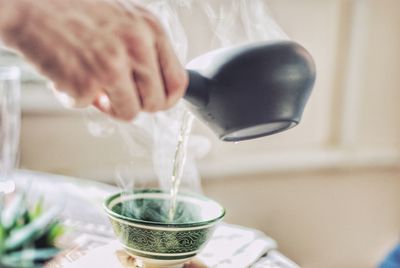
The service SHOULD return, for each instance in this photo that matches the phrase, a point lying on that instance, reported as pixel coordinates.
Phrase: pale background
(329, 190)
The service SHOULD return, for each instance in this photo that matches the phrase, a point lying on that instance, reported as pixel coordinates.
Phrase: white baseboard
(288, 162)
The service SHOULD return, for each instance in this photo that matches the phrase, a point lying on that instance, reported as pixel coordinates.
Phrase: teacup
(142, 222)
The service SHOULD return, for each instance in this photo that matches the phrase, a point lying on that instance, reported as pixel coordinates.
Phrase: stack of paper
(231, 246)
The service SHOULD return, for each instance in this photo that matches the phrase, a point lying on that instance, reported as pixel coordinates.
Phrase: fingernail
(104, 101)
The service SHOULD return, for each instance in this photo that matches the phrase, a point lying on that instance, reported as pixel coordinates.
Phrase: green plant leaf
(22, 220)
(31, 231)
(13, 211)
(2, 238)
(30, 256)
(55, 232)
(37, 210)
(17, 264)
(47, 238)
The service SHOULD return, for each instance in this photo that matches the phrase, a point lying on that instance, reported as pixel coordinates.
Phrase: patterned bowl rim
(115, 215)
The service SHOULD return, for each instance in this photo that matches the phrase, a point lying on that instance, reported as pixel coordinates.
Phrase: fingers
(146, 73)
(124, 102)
(174, 75)
(157, 81)
(71, 99)
(121, 62)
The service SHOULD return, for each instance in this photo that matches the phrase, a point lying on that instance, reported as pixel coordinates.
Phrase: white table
(81, 202)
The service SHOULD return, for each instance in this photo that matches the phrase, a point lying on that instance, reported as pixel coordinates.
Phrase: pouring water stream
(179, 161)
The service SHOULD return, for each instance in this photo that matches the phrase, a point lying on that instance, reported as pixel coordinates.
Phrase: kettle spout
(197, 92)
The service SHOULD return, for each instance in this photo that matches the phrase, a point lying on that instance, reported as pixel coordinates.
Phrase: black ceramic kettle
(251, 91)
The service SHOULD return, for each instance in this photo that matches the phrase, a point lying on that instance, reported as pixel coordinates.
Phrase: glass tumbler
(10, 124)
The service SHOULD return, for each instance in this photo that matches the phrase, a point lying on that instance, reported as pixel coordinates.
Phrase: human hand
(96, 50)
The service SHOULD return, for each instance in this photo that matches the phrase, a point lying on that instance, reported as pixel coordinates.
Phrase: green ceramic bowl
(142, 223)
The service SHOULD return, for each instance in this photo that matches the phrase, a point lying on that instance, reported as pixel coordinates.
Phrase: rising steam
(153, 138)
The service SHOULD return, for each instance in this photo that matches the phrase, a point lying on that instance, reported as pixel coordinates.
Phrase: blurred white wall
(328, 189)
(351, 119)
